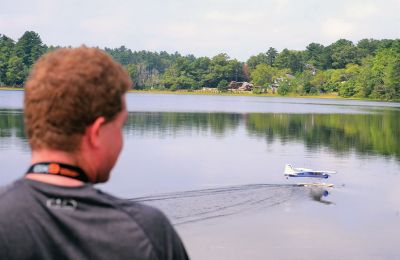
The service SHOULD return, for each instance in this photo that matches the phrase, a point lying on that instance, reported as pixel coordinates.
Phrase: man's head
(67, 92)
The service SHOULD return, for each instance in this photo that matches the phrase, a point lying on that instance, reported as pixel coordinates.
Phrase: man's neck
(59, 157)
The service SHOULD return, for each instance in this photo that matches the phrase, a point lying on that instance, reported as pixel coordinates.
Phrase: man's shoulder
(158, 229)
(7, 188)
(10, 193)
(15, 202)
(155, 225)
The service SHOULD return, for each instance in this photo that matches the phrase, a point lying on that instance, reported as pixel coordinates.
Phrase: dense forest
(368, 69)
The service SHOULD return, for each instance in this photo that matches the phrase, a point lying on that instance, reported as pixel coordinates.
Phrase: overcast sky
(240, 28)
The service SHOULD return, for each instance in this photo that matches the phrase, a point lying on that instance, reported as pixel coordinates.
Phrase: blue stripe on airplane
(310, 174)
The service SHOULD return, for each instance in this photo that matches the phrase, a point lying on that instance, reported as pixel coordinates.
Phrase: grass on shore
(11, 88)
(231, 93)
(333, 95)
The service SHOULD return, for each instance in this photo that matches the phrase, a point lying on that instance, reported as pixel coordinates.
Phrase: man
(74, 114)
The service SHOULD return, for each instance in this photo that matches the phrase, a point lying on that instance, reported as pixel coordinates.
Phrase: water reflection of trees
(366, 133)
(12, 124)
(170, 122)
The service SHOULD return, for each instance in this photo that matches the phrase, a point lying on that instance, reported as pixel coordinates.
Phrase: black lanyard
(60, 169)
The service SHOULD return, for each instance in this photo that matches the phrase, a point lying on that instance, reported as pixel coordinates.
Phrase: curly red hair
(66, 91)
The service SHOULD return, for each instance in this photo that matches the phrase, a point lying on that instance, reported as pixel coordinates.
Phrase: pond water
(214, 165)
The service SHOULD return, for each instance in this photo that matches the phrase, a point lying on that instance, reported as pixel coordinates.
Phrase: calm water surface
(214, 165)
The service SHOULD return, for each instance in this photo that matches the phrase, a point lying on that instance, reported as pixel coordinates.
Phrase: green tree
(16, 71)
(348, 85)
(122, 54)
(366, 79)
(263, 75)
(234, 71)
(200, 68)
(334, 79)
(253, 61)
(367, 47)
(223, 86)
(305, 85)
(319, 81)
(133, 73)
(317, 55)
(271, 56)
(29, 47)
(6, 51)
(223, 68)
(181, 74)
(391, 78)
(284, 88)
(185, 82)
(343, 53)
(292, 60)
(377, 78)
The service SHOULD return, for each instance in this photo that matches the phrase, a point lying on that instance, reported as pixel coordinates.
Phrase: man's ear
(93, 132)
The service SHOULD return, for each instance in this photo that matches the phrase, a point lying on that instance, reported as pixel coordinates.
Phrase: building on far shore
(240, 86)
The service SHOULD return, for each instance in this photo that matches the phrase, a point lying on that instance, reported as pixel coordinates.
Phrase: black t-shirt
(42, 221)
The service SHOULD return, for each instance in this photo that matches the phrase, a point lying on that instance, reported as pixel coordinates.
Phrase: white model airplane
(290, 171)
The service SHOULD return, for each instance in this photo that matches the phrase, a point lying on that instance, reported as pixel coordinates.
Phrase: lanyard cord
(60, 169)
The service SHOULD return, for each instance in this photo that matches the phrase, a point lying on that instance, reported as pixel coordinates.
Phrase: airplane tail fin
(289, 169)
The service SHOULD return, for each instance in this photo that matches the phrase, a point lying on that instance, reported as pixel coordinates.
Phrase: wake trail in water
(198, 205)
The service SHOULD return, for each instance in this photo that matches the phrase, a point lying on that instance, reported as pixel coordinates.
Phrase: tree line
(368, 69)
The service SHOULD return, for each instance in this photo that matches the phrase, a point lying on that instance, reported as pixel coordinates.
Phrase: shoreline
(11, 88)
(250, 94)
(231, 93)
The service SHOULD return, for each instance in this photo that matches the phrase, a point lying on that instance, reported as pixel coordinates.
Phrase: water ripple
(198, 205)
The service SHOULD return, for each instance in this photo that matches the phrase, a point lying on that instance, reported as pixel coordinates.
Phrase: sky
(239, 28)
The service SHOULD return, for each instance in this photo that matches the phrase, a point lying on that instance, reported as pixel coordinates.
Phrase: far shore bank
(232, 93)
(11, 88)
(334, 95)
